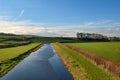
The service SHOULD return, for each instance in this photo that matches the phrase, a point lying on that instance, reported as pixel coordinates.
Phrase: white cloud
(19, 27)
(21, 13)
(29, 27)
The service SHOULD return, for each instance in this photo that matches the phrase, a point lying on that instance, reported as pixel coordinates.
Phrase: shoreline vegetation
(7, 65)
(106, 57)
(80, 67)
(69, 63)
(10, 44)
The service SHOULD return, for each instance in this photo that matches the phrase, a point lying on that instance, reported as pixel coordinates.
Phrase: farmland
(15, 51)
(9, 57)
(80, 67)
(12, 40)
(53, 39)
(109, 50)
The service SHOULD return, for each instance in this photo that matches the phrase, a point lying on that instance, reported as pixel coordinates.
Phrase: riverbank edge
(14, 61)
(106, 65)
(68, 65)
(73, 69)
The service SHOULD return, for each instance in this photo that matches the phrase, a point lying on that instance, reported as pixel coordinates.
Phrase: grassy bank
(80, 68)
(109, 50)
(9, 57)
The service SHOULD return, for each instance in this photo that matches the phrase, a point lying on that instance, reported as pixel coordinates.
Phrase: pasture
(9, 57)
(9, 53)
(80, 67)
(108, 50)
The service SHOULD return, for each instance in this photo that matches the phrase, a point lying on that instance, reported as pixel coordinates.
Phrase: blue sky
(60, 16)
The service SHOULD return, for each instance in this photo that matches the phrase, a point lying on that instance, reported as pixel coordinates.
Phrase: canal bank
(43, 64)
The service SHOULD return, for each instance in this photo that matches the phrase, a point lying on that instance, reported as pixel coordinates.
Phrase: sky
(60, 17)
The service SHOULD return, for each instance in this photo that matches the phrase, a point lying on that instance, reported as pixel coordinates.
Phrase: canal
(43, 64)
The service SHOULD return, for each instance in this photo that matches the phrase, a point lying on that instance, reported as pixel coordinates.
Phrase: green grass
(53, 39)
(14, 36)
(109, 50)
(9, 57)
(11, 42)
(7, 36)
(9, 53)
(2, 44)
(92, 72)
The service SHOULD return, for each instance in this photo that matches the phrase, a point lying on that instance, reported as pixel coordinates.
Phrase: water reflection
(44, 64)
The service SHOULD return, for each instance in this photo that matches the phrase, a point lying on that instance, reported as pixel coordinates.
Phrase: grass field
(80, 67)
(53, 39)
(9, 53)
(9, 57)
(8, 36)
(11, 42)
(109, 50)
(2, 44)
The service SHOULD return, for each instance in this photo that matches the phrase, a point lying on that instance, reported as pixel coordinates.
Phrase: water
(44, 64)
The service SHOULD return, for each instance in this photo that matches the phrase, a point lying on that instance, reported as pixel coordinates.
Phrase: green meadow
(9, 53)
(9, 57)
(80, 67)
(109, 50)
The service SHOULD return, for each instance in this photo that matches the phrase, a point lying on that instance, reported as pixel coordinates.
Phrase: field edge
(14, 61)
